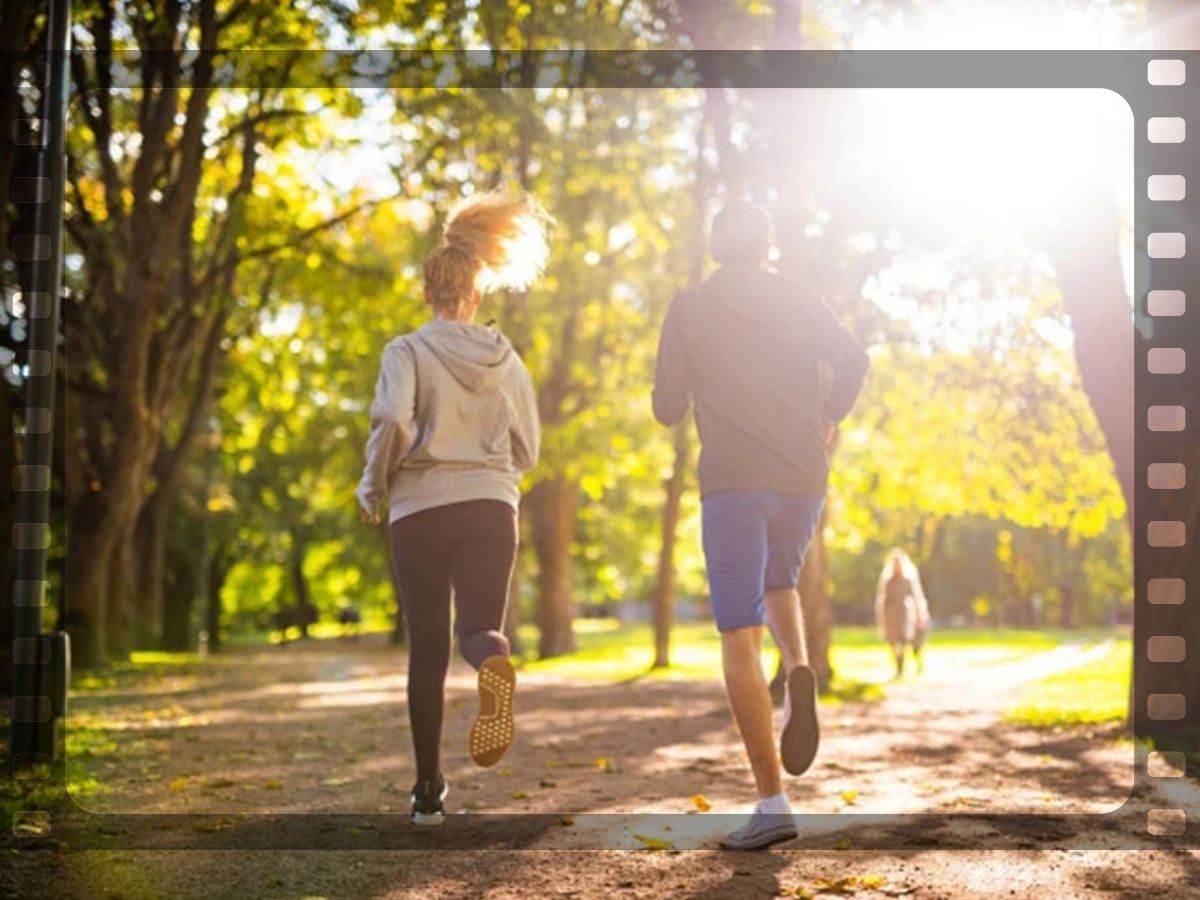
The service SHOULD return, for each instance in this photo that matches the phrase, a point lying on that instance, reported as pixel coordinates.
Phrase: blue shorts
(754, 542)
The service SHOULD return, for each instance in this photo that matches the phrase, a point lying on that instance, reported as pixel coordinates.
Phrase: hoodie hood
(475, 355)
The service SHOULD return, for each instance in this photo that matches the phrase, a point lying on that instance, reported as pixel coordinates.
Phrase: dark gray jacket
(745, 347)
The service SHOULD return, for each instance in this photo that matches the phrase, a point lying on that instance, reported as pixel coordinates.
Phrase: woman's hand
(369, 516)
(830, 433)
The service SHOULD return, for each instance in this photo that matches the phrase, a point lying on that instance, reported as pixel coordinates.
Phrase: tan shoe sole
(493, 729)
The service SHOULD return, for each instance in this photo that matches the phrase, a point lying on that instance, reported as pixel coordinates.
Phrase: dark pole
(40, 661)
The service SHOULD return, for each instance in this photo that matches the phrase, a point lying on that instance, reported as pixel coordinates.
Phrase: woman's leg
(481, 570)
(421, 558)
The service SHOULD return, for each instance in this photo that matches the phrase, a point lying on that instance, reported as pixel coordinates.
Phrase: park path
(321, 727)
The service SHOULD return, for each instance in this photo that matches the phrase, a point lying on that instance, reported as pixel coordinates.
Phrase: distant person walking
(745, 348)
(901, 610)
(453, 427)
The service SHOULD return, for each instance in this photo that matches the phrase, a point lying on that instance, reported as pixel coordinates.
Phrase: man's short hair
(741, 233)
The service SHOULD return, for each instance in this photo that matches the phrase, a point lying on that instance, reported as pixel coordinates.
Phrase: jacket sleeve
(847, 360)
(525, 432)
(672, 375)
(393, 424)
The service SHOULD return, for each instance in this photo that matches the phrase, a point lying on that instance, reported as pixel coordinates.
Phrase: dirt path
(599, 770)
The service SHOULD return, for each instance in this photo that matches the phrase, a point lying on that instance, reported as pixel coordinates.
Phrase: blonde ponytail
(491, 241)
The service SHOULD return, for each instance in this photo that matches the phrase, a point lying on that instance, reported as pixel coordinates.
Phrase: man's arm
(847, 360)
(672, 377)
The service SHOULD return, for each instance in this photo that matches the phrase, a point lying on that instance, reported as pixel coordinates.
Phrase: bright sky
(974, 166)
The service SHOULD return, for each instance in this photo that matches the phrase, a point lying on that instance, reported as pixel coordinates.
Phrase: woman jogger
(901, 610)
(453, 427)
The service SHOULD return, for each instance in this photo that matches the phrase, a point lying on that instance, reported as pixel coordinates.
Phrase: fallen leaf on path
(566, 821)
(213, 825)
(604, 764)
(220, 783)
(178, 783)
(336, 781)
(849, 884)
(701, 802)
(843, 844)
(520, 795)
(654, 843)
(849, 797)
(273, 785)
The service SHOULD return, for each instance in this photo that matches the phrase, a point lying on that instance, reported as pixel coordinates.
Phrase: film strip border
(1168, 453)
(1167, 420)
(41, 661)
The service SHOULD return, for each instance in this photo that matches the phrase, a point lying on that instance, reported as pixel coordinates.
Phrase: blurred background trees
(238, 258)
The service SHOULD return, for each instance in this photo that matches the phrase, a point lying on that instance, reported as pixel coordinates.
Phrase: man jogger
(745, 349)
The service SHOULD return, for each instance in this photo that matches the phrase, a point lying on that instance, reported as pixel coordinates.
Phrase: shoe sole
(769, 840)
(802, 732)
(494, 727)
(429, 820)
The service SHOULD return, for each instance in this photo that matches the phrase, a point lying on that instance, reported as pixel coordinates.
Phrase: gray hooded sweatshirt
(454, 418)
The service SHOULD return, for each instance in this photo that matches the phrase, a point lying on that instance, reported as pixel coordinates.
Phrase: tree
(161, 188)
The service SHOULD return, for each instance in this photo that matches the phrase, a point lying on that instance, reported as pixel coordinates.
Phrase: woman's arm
(393, 426)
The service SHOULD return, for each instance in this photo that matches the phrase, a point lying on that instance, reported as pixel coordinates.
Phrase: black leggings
(468, 548)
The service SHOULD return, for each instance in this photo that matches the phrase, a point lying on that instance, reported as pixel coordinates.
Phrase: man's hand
(371, 517)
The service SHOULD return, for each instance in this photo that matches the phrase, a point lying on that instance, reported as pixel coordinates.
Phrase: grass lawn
(609, 650)
(1095, 694)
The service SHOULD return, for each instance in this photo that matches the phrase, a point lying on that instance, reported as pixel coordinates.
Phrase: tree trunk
(100, 566)
(177, 618)
(553, 518)
(151, 552)
(85, 596)
(218, 567)
(1093, 290)
(122, 589)
(1066, 610)
(183, 582)
(814, 603)
(664, 584)
(299, 583)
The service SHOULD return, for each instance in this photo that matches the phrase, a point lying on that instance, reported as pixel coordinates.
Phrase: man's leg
(792, 523)
(786, 623)
(751, 703)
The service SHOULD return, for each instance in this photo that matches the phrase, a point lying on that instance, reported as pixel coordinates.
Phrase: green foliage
(973, 447)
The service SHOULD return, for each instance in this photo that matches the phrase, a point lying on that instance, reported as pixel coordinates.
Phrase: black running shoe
(427, 797)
